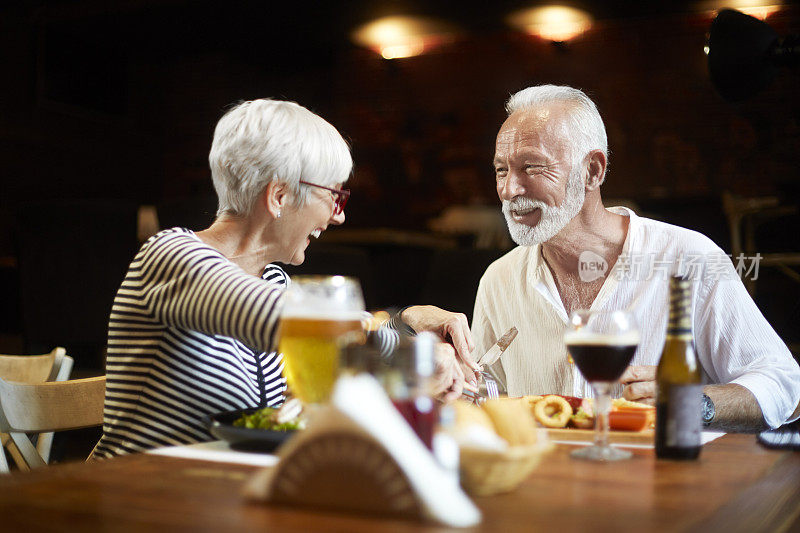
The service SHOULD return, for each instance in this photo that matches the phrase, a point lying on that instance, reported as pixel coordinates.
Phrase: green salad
(265, 419)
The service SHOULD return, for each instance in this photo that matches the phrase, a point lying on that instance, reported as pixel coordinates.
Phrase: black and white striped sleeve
(387, 337)
(200, 290)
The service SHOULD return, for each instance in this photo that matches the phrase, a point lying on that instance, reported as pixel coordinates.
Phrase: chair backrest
(53, 406)
(28, 368)
(55, 366)
(62, 368)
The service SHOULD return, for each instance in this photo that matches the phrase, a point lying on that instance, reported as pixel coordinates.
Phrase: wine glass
(320, 314)
(602, 344)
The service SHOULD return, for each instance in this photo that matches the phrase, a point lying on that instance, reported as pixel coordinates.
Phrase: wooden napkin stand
(370, 462)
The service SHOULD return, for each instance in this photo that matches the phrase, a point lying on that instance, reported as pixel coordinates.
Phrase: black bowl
(245, 439)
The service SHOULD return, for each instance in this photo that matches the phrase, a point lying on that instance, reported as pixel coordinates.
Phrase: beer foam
(325, 314)
(630, 338)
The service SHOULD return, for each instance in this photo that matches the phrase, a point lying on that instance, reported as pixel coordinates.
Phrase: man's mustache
(520, 203)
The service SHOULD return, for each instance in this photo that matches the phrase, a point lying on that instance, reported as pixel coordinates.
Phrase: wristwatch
(709, 412)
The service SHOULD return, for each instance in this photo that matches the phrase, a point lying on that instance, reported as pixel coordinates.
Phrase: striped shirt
(189, 335)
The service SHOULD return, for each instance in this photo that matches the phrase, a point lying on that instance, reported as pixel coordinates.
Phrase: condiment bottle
(407, 381)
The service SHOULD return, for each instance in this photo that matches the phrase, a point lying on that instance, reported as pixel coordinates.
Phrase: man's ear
(596, 170)
(275, 197)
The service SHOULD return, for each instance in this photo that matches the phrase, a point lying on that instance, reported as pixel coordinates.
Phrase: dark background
(106, 106)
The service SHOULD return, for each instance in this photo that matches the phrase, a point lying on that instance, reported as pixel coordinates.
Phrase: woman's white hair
(259, 141)
(585, 128)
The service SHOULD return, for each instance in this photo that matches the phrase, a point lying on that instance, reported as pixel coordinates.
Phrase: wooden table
(735, 486)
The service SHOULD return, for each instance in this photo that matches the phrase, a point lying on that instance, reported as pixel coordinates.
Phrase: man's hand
(640, 384)
(737, 408)
(448, 380)
(450, 326)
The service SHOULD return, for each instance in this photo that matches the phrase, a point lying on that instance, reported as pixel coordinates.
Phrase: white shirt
(733, 340)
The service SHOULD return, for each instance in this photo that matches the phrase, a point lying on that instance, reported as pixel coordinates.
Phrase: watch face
(708, 409)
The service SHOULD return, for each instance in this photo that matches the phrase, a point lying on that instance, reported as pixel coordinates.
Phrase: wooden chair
(54, 366)
(53, 406)
(744, 215)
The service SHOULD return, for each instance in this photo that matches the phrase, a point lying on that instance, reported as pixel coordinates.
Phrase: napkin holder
(358, 455)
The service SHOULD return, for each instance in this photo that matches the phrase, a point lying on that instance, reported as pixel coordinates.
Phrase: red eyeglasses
(339, 199)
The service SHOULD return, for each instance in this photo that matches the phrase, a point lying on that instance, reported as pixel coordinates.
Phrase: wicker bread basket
(485, 472)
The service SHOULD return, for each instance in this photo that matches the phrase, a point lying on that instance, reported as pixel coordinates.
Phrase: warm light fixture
(402, 36)
(554, 23)
(760, 9)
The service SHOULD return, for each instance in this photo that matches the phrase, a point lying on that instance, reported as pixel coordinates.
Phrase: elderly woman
(194, 322)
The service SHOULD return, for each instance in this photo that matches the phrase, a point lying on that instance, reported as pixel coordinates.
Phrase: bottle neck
(680, 310)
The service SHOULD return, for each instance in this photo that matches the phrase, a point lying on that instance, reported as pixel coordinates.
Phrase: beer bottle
(678, 381)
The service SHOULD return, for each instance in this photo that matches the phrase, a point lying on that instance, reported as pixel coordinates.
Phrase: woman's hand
(448, 379)
(452, 327)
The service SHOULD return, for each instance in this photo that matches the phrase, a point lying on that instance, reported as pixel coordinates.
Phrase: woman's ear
(275, 198)
(596, 170)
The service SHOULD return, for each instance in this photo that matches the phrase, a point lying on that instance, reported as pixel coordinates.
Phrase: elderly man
(551, 159)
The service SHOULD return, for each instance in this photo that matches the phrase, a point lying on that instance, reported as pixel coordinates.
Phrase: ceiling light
(554, 23)
(759, 9)
(402, 36)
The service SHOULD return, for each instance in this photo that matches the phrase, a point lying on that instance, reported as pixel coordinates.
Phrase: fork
(492, 392)
(491, 386)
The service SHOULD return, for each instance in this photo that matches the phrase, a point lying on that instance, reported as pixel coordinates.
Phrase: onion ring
(552, 411)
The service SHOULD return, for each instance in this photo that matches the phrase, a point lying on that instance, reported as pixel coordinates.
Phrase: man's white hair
(259, 141)
(585, 128)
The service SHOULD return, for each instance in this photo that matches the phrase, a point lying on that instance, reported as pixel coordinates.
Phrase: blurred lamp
(553, 23)
(759, 9)
(744, 54)
(401, 36)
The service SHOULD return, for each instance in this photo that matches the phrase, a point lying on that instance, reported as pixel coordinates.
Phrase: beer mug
(320, 315)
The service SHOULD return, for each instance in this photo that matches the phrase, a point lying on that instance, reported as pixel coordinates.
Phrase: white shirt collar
(541, 278)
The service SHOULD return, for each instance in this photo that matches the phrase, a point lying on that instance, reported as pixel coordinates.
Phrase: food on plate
(515, 420)
(625, 415)
(512, 420)
(633, 420)
(581, 419)
(286, 418)
(587, 404)
(573, 401)
(552, 411)
(532, 400)
(619, 404)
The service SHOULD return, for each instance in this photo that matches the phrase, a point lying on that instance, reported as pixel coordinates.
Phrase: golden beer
(310, 347)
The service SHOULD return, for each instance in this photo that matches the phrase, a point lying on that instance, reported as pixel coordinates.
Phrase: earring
(278, 214)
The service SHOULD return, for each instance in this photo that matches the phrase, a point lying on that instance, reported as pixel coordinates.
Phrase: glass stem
(602, 408)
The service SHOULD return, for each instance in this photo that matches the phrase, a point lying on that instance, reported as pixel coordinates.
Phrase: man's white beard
(552, 219)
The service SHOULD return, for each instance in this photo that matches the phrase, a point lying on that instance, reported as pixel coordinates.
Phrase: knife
(497, 349)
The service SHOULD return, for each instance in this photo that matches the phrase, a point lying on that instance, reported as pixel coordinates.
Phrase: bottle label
(680, 334)
(685, 421)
